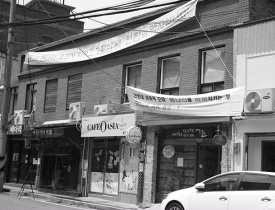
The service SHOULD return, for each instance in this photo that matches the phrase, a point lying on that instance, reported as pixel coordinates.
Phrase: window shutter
(74, 89)
(51, 95)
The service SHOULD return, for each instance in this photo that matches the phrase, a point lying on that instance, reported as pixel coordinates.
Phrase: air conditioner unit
(76, 110)
(19, 116)
(103, 109)
(259, 101)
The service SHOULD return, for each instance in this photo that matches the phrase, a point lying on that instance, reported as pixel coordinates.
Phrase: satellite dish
(252, 101)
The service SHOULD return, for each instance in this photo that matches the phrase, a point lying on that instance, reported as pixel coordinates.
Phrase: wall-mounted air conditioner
(259, 101)
(103, 109)
(19, 116)
(76, 110)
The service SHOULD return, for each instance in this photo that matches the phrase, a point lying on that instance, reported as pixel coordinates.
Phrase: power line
(62, 19)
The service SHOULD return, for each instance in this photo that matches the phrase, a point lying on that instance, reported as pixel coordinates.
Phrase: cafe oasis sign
(107, 125)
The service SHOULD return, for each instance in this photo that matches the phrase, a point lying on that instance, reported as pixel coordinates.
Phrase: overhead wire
(62, 19)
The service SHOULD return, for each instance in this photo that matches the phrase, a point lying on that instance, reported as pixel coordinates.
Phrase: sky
(85, 5)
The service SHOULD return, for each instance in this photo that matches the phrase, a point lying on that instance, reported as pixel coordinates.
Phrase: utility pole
(6, 102)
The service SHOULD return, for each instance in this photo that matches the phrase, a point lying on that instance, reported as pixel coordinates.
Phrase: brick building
(25, 38)
(183, 50)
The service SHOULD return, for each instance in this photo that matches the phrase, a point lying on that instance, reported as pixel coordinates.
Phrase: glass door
(14, 162)
(268, 156)
(208, 161)
(104, 168)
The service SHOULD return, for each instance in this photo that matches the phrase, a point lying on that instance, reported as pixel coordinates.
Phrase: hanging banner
(221, 103)
(114, 44)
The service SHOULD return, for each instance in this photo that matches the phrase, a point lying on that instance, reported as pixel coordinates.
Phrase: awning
(42, 133)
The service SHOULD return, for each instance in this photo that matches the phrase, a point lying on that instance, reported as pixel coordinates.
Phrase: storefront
(61, 159)
(113, 160)
(187, 154)
(255, 143)
(22, 154)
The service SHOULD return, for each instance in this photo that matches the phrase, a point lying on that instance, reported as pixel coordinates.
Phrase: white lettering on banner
(221, 103)
(108, 46)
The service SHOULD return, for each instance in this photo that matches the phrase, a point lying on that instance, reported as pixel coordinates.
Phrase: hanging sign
(133, 135)
(107, 125)
(220, 139)
(27, 143)
(168, 151)
(114, 44)
(227, 102)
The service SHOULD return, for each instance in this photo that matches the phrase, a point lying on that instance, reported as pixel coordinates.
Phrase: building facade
(175, 152)
(20, 154)
(254, 58)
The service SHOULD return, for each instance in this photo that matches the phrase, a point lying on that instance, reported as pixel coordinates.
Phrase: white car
(238, 190)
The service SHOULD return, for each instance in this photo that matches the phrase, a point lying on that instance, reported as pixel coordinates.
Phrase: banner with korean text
(114, 44)
(221, 103)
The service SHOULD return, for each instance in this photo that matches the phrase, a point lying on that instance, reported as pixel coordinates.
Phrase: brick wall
(261, 9)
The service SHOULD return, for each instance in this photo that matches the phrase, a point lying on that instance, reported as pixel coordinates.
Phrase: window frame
(124, 98)
(13, 102)
(201, 71)
(76, 99)
(160, 77)
(46, 93)
(33, 93)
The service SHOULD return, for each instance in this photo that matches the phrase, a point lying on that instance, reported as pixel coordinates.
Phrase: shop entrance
(209, 157)
(268, 156)
(20, 160)
(104, 168)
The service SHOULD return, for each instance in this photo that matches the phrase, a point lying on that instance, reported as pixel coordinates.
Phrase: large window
(74, 89)
(132, 78)
(51, 95)
(13, 99)
(31, 97)
(170, 75)
(212, 70)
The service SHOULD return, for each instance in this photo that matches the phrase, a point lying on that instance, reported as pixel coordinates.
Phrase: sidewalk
(87, 202)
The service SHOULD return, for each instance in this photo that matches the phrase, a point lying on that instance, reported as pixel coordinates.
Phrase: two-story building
(25, 38)
(194, 57)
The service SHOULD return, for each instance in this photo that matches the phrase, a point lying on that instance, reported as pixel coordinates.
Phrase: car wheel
(174, 206)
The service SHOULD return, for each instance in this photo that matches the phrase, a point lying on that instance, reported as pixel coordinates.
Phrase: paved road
(11, 202)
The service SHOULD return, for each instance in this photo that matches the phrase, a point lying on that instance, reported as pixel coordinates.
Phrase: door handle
(223, 198)
(266, 199)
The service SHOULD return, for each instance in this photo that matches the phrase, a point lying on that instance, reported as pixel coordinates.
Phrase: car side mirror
(200, 186)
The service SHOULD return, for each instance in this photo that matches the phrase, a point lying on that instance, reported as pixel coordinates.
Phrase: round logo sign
(133, 135)
(168, 151)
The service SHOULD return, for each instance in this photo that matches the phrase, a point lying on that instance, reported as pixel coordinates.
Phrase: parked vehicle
(245, 190)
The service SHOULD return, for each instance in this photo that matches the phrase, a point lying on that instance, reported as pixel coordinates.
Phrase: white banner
(221, 103)
(107, 125)
(108, 46)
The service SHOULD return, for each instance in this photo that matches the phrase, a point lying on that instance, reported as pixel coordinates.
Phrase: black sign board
(189, 133)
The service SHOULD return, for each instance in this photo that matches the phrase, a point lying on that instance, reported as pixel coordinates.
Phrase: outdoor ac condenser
(76, 110)
(259, 101)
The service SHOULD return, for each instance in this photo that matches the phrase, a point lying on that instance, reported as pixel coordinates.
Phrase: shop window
(31, 97)
(132, 78)
(74, 89)
(13, 100)
(212, 70)
(50, 95)
(61, 161)
(170, 76)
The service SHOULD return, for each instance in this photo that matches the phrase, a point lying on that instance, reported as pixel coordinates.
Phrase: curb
(69, 202)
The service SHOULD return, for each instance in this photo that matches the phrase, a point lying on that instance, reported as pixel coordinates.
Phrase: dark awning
(42, 133)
